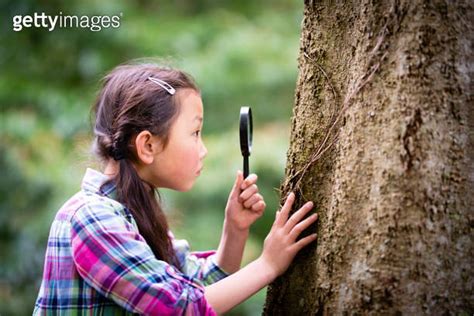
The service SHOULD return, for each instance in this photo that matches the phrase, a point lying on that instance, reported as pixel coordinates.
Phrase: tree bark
(382, 140)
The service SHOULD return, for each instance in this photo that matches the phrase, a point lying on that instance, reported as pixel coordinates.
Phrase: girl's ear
(146, 146)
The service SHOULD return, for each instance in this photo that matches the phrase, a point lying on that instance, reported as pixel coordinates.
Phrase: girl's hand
(280, 246)
(245, 205)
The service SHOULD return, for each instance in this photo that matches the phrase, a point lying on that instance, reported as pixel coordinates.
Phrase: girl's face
(180, 163)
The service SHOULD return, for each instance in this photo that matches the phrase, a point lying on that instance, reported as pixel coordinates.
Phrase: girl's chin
(186, 187)
(180, 187)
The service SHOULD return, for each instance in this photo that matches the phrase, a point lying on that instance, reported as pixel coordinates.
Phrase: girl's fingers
(236, 187)
(298, 216)
(301, 226)
(247, 193)
(303, 242)
(275, 222)
(251, 179)
(259, 207)
(285, 210)
(252, 200)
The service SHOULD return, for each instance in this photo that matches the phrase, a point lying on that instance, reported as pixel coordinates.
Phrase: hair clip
(163, 84)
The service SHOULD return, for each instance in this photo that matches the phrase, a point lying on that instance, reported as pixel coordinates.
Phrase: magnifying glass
(246, 134)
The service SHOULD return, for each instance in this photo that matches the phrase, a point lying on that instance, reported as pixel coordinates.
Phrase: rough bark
(395, 191)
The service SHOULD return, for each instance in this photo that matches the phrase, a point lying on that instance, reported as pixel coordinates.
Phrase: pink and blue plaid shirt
(97, 263)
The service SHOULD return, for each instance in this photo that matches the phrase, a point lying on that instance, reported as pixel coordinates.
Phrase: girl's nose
(203, 151)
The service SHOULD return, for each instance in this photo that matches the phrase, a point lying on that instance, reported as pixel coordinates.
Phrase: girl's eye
(196, 133)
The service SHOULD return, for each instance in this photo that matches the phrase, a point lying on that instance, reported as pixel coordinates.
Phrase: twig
(330, 137)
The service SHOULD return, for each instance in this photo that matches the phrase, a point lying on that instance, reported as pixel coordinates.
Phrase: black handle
(246, 166)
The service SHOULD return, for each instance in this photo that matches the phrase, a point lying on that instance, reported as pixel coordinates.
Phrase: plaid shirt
(97, 263)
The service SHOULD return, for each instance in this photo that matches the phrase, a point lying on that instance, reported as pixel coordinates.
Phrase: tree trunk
(382, 140)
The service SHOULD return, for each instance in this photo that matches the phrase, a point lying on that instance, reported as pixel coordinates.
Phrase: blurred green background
(240, 53)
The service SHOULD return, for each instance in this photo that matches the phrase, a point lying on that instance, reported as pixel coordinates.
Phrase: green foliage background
(240, 53)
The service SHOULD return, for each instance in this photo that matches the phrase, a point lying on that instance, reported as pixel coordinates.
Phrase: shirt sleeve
(113, 258)
(200, 265)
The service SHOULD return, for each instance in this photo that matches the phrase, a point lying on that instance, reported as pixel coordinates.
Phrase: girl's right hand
(280, 246)
(279, 249)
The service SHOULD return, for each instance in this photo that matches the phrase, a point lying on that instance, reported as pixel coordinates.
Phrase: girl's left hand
(245, 205)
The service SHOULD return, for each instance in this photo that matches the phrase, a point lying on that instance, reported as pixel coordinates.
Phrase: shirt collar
(93, 182)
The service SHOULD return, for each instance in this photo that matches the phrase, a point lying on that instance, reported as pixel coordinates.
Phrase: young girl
(110, 251)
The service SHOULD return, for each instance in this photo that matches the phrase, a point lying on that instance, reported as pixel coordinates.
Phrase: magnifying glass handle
(246, 167)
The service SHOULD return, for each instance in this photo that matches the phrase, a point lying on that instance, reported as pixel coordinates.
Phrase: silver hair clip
(163, 84)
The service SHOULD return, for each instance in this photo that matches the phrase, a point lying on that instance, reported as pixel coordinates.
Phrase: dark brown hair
(127, 104)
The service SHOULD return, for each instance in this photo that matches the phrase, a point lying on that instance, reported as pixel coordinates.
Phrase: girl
(110, 251)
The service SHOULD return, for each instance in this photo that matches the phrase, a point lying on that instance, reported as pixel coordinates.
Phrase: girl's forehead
(190, 104)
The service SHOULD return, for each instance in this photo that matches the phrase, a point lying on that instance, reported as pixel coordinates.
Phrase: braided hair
(127, 104)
